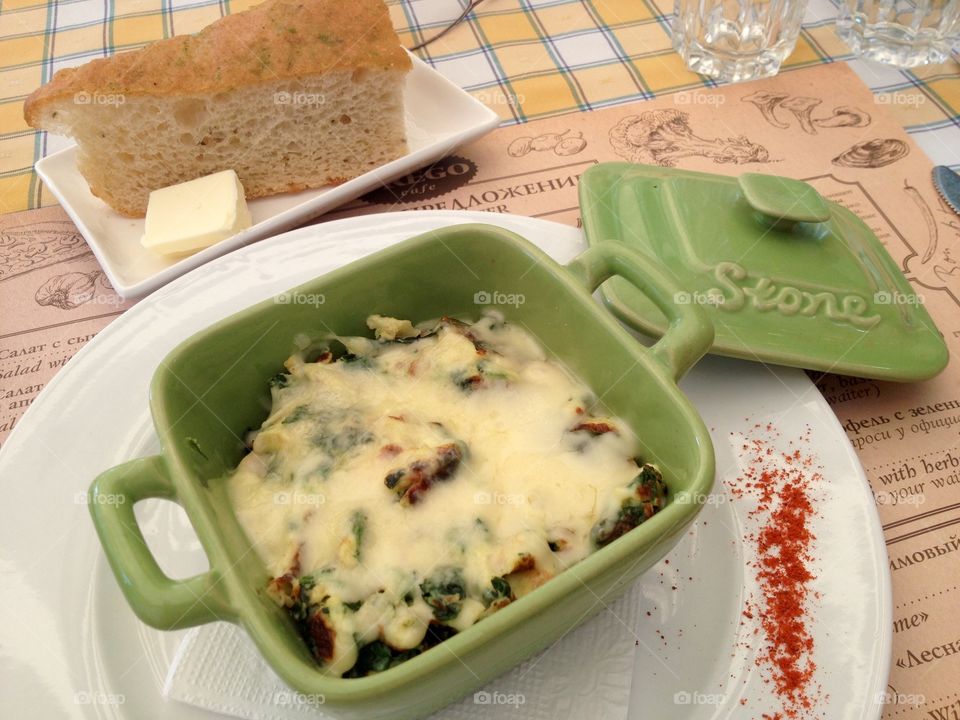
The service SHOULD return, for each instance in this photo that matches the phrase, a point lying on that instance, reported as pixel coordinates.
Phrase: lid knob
(783, 202)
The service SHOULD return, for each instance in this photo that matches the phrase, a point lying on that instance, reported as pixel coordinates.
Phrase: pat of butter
(193, 215)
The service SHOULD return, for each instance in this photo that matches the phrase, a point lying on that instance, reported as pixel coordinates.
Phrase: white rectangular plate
(440, 117)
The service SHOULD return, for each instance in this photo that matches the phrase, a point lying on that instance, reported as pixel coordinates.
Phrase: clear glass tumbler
(736, 40)
(905, 33)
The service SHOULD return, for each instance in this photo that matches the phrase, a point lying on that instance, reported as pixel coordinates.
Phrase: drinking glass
(736, 40)
(905, 33)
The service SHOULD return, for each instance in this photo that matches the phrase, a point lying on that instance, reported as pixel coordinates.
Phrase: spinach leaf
(358, 522)
(280, 380)
(648, 497)
(499, 590)
(444, 591)
(298, 414)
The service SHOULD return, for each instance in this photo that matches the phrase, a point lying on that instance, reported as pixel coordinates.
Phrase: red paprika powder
(782, 486)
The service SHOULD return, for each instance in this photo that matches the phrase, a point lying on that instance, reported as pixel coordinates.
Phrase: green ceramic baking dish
(214, 386)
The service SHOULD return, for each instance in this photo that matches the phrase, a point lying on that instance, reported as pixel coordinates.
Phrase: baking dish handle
(158, 600)
(690, 332)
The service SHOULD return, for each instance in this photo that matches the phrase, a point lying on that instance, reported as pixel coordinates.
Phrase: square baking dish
(214, 387)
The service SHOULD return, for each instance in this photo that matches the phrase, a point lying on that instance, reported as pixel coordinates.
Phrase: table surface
(525, 58)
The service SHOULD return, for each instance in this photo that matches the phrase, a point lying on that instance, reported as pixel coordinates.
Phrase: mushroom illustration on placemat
(566, 143)
(803, 108)
(662, 137)
(844, 116)
(766, 103)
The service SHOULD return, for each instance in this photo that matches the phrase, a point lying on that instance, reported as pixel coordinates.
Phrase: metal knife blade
(947, 183)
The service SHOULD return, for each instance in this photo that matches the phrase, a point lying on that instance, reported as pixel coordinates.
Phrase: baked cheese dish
(408, 485)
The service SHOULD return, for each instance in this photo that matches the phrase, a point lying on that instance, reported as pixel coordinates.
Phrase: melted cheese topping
(421, 480)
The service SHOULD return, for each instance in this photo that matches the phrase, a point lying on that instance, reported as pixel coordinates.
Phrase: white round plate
(70, 646)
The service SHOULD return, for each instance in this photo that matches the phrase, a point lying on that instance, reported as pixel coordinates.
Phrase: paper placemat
(907, 436)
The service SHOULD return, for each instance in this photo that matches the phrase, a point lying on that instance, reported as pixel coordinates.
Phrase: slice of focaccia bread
(292, 94)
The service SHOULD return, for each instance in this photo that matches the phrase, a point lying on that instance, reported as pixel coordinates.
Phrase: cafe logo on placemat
(443, 176)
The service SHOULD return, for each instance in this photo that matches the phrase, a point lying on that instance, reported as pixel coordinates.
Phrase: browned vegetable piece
(471, 382)
(320, 636)
(410, 483)
(648, 497)
(526, 576)
(524, 562)
(594, 427)
(285, 589)
(390, 450)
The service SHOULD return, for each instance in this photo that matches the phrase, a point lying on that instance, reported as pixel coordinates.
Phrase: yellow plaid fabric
(525, 58)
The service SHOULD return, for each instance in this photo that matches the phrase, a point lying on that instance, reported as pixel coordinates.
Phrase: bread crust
(136, 213)
(277, 40)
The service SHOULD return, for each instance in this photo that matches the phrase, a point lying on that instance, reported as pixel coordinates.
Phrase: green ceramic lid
(786, 276)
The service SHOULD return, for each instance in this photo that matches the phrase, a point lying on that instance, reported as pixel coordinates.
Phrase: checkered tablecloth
(524, 58)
